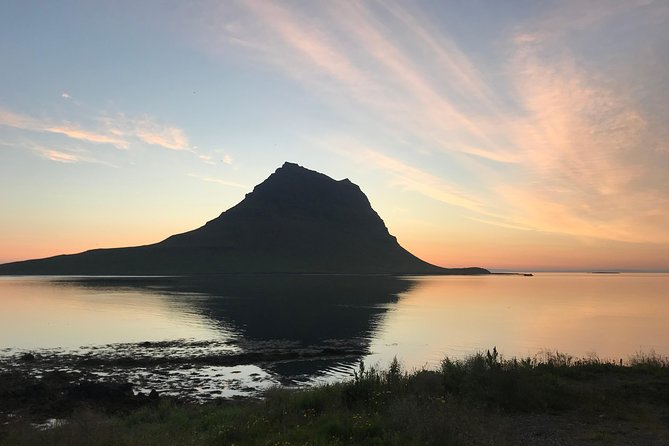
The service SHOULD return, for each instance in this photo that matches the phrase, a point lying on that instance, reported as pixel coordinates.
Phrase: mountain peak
(288, 168)
(304, 190)
(289, 165)
(294, 169)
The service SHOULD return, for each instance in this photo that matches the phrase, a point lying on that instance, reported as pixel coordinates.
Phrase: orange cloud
(83, 135)
(580, 144)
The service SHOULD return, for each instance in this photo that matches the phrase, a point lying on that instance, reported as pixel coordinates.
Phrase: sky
(515, 135)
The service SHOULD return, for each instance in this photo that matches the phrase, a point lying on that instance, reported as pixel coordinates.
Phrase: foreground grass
(479, 400)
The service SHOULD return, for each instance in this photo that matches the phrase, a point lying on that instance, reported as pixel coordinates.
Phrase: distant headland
(296, 221)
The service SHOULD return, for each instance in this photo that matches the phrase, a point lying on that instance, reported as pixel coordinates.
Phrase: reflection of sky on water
(41, 313)
(614, 316)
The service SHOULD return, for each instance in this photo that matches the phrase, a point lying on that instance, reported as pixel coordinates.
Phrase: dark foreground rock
(59, 394)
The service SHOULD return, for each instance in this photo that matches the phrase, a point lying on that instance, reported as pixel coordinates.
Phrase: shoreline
(549, 399)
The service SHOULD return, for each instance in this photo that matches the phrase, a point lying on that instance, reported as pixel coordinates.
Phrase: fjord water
(418, 319)
(613, 316)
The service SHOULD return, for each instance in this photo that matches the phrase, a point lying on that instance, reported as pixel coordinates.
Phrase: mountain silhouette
(296, 221)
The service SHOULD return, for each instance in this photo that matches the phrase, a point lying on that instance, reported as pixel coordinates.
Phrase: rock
(90, 390)
(27, 357)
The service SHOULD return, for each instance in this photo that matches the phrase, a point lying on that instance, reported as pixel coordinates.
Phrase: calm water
(419, 320)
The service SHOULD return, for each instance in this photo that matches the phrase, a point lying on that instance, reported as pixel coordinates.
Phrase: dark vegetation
(484, 399)
(296, 221)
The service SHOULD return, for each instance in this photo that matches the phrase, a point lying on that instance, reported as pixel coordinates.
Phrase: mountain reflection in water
(297, 311)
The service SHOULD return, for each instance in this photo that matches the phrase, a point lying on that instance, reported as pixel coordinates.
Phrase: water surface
(611, 316)
(350, 318)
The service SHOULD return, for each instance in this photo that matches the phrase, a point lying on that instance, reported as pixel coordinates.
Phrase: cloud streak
(117, 130)
(61, 157)
(73, 131)
(156, 134)
(414, 179)
(219, 181)
(64, 155)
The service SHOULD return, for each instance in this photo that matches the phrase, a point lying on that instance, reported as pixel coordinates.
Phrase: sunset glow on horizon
(509, 135)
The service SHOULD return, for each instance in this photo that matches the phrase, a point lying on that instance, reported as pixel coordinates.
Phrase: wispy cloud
(210, 159)
(587, 150)
(74, 131)
(207, 159)
(66, 154)
(411, 178)
(151, 132)
(352, 59)
(308, 43)
(117, 130)
(61, 157)
(144, 129)
(219, 181)
(402, 174)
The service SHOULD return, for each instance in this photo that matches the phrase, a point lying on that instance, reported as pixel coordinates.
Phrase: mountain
(296, 221)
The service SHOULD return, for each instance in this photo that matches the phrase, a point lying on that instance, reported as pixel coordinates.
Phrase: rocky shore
(48, 384)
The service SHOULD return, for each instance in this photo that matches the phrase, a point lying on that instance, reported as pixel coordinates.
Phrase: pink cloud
(61, 157)
(160, 135)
